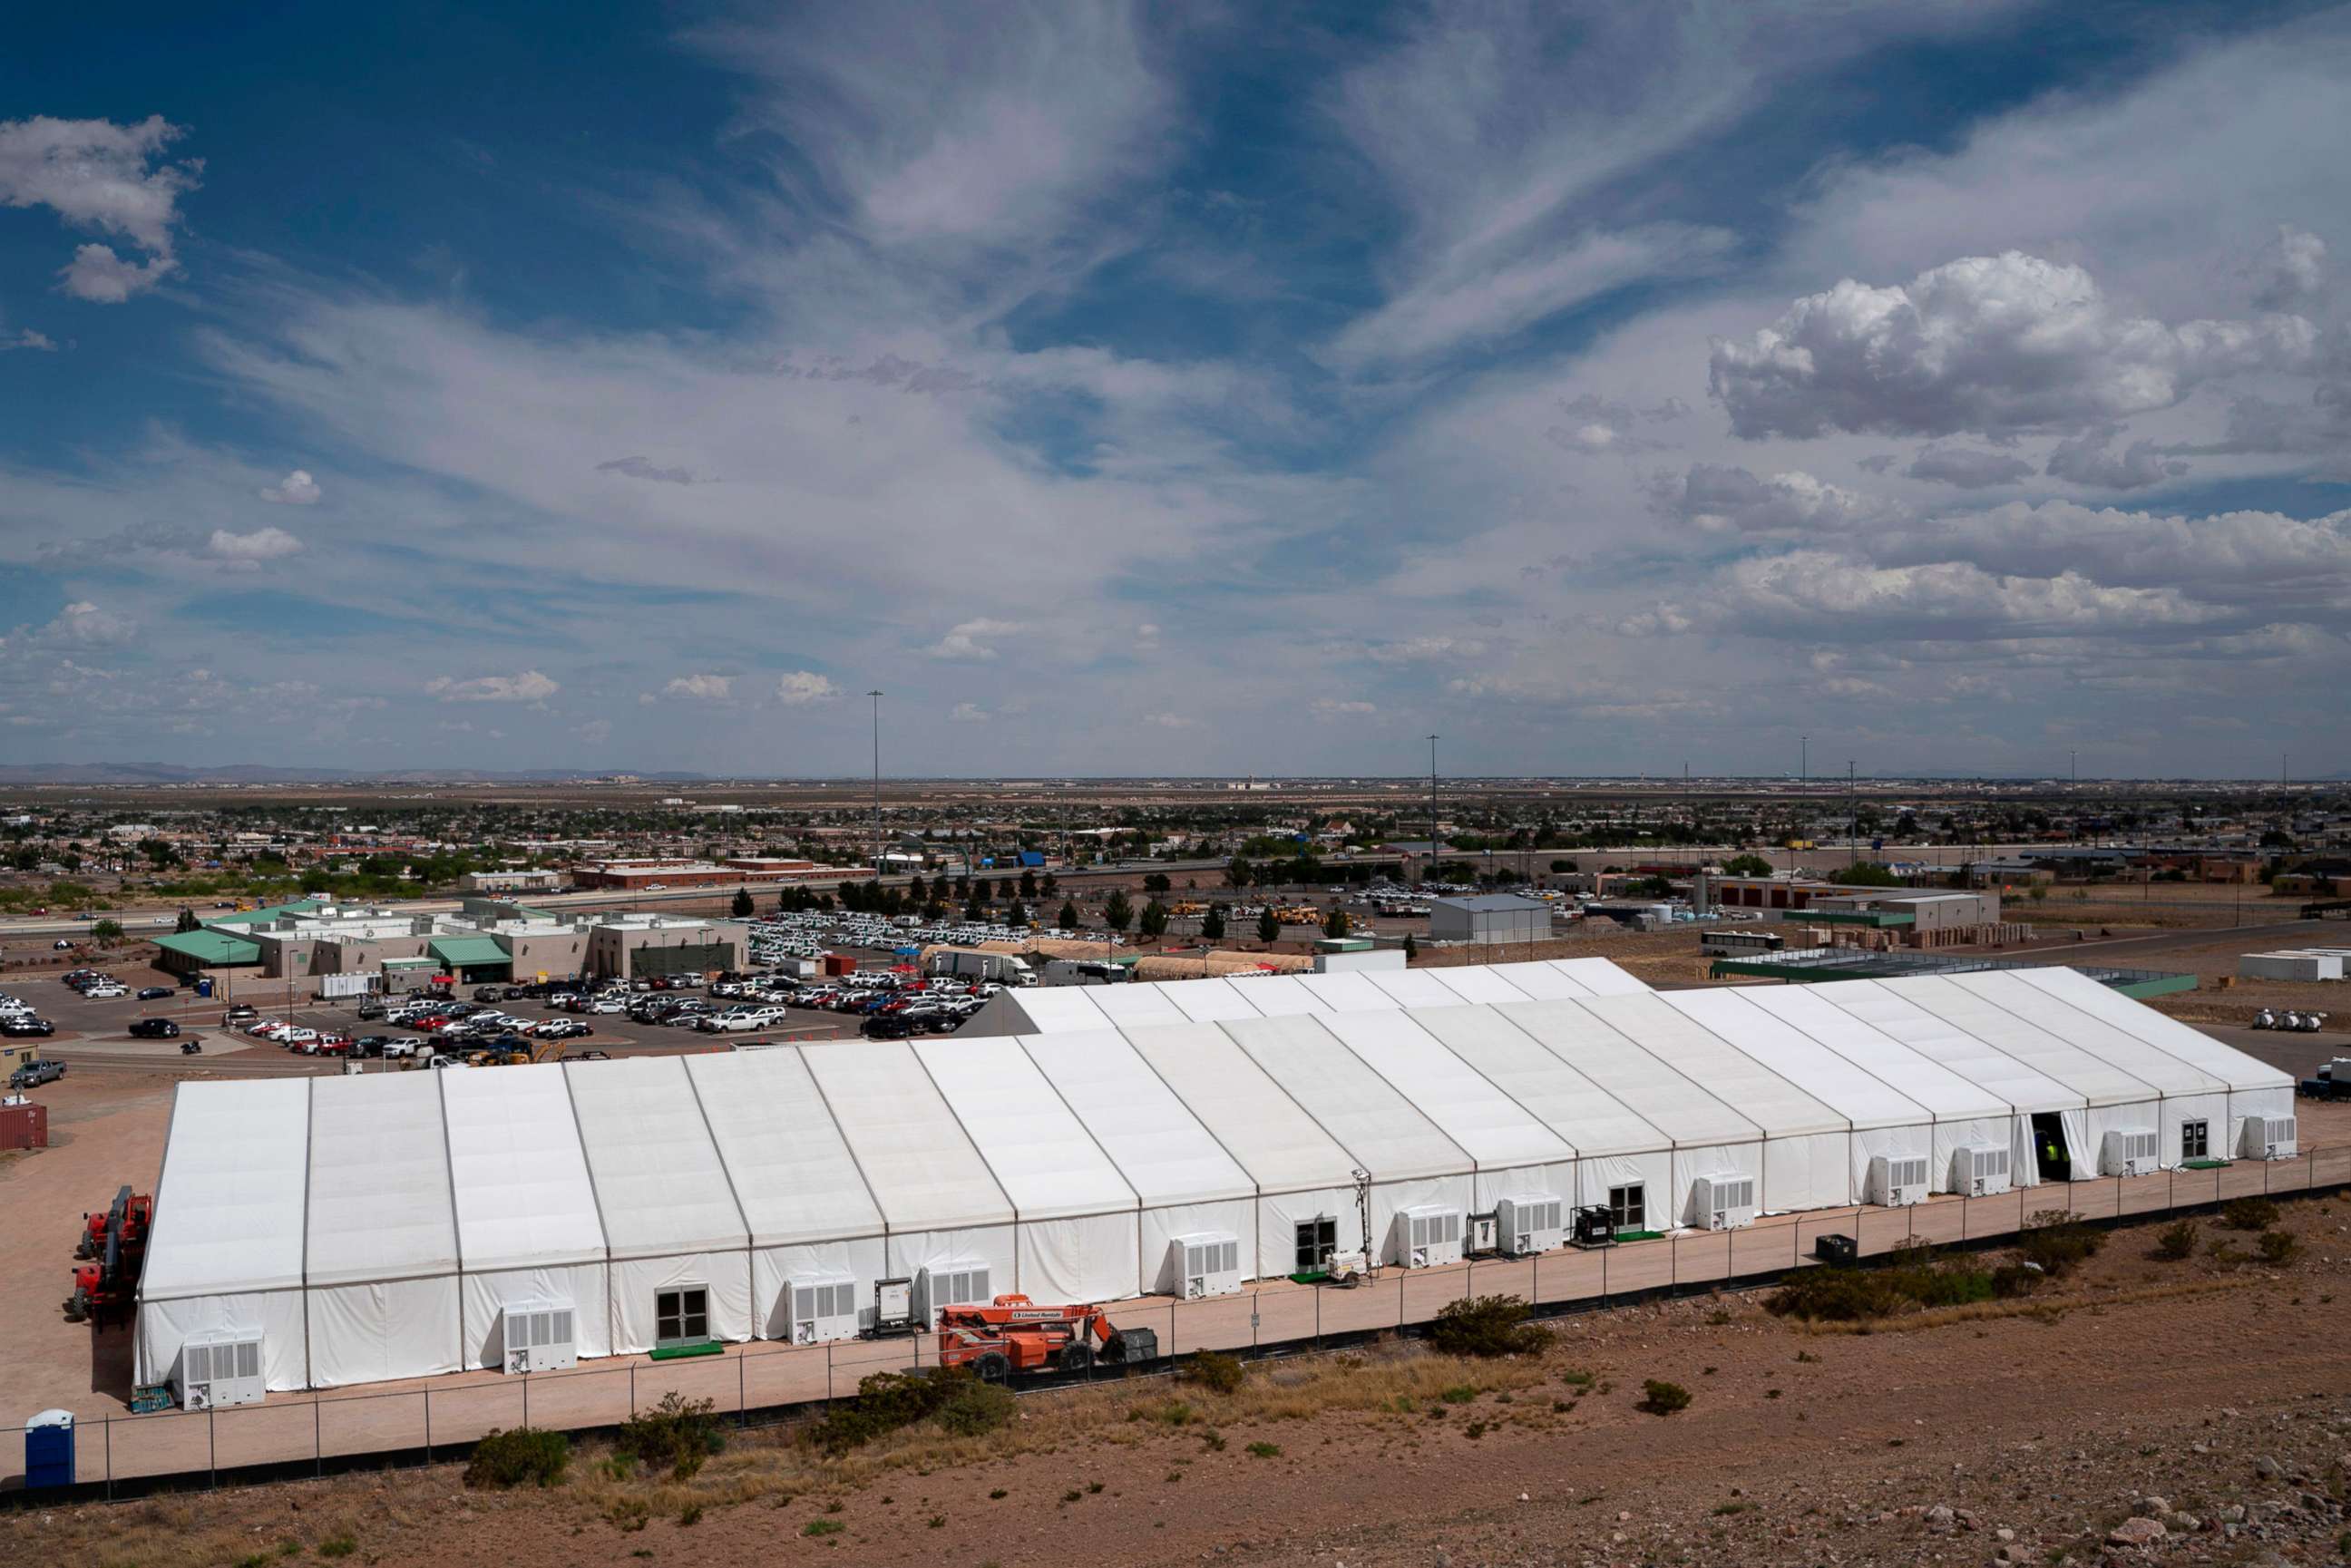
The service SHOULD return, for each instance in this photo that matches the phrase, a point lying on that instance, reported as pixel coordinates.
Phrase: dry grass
(2048, 1307)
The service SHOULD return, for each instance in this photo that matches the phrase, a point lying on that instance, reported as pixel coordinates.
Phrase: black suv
(154, 1028)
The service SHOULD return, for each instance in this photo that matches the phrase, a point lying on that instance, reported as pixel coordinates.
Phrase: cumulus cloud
(83, 624)
(25, 338)
(2089, 459)
(106, 178)
(1967, 467)
(1817, 593)
(261, 544)
(1722, 499)
(529, 686)
(2291, 269)
(645, 468)
(1594, 423)
(297, 489)
(797, 688)
(699, 688)
(1335, 708)
(596, 731)
(973, 640)
(967, 713)
(1991, 344)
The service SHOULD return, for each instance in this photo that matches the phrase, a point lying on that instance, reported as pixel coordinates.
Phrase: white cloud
(1991, 344)
(100, 176)
(83, 624)
(2290, 271)
(1335, 707)
(801, 687)
(700, 688)
(261, 544)
(1168, 721)
(645, 468)
(2089, 459)
(1720, 499)
(596, 731)
(297, 489)
(967, 713)
(1967, 467)
(39, 343)
(973, 640)
(1818, 594)
(529, 686)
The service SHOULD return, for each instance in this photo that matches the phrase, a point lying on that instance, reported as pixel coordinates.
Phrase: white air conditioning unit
(1427, 1237)
(2129, 1152)
(221, 1372)
(541, 1336)
(2270, 1138)
(1208, 1264)
(1724, 1202)
(1529, 1223)
(963, 1281)
(1897, 1180)
(824, 1308)
(1979, 1170)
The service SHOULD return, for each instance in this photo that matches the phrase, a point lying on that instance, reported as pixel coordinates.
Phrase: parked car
(372, 1045)
(488, 993)
(22, 1026)
(105, 991)
(36, 1073)
(237, 1015)
(61, 945)
(154, 1028)
(369, 1011)
(593, 1056)
(157, 993)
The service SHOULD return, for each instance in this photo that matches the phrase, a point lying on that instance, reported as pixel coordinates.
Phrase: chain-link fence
(768, 1381)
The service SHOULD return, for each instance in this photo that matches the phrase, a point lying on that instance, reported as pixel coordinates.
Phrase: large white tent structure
(392, 1225)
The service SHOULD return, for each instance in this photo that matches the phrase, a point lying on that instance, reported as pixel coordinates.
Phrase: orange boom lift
(1013, 1336)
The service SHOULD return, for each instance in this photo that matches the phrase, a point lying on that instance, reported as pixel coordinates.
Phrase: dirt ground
(2211, 1397)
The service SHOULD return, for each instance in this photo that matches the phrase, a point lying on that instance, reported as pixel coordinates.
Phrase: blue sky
(1134, 389)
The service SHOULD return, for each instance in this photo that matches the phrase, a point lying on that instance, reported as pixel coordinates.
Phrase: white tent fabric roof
(2224, 1063)
(1208, 1000)
(1601, 977)
(1474, 983)
(1946, 1094)
(1046, 1008)
(1494, 1129)
(229, 1207)
(523, 1197)
(1589, 1119)
(1412, 987)
(1762, 1096)
(917, 1160)
(792, 1170)
(1271, 996)
(1542, 980)
(1128, 1005)
(2124, 1051)
(1361, 1110)
(1158, 1145)
(1041, 1155)
(1344, 991)
(1863, 1101)
(1281, 1147)
(2098, 1083)
(1659, 1094)
(660, 1184)
(380, 1198)
(2025, 1089)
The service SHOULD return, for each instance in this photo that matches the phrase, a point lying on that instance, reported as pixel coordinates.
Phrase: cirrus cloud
(529, 686)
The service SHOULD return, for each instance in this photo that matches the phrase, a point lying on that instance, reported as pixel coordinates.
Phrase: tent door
(2049, 1146)
(1317, 1243)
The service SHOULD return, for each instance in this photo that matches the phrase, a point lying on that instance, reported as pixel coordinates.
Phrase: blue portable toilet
(49, 1450)
(205, 986)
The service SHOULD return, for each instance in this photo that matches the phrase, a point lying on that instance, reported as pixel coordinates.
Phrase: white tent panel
(1076, 1239)
(671, 1221)
(2099, 1083)
(1049, 1009)
(1542, 981)
(1387, 1135)
(1474, 983)
(225, 1254)
(1129, 1005)
(1208, 1000)
(918, 1162)
(2256, 1088)
(1345, 991)
(1278, 996)
(381, 1234)
(1601, 977)
(1411, 987)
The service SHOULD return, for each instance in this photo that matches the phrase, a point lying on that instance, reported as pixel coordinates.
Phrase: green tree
(1212, 925)
(1239, 874)
(1015, 913)
(975, 912)
(1028, 884)
(1155, 920)
(1269, 929)
(1156, 882)
(1336, 923)
(1747, 865)
(1411, 948)
(917, 890)
(1864, 874)
(1068, 919)
(1050, 885)
(1119, 912)
(109, 932)
(186, 922)
(742, 906)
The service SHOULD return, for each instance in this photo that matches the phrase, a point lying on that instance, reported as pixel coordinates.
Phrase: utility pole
(1804, 760)
(876, 695)
(1853, 801)
(1430, 865)
(2073, 768)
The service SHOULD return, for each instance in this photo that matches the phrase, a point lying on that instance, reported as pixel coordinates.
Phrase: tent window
(682, 1314)
(2195, 1140)
(1628, 1207)
(1317, 1241)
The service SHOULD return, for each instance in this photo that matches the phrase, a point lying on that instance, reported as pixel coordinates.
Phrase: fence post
(827, 1375)
(742, 1389)
(212, 1449)
(632, 1389)
(318, 1441)
(526, 1399)
(109, 1458)
(428, 1426)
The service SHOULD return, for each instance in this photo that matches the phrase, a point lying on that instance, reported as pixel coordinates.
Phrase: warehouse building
(1489, 917)
(326, 1231)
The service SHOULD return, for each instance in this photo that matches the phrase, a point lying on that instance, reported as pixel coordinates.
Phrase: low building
(646, 876)
(521, 881)
(1489, 917)
(626, 946)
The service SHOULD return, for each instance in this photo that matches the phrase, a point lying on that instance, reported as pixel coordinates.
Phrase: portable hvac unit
(1208, 1264)
(1482, 1236)
(824, 1308)
(962, 1283)
(2127, 1153)
(893, 1309)
(2269, 1137)
(1724, 1202)
(1897, 1180)
(1529, 1224)
(220, 1372)
(1595, 1226)
(540, 1338)
(1979, 1170)
(1427, 1237)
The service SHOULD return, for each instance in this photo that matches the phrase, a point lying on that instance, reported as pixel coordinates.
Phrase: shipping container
(25, 1127)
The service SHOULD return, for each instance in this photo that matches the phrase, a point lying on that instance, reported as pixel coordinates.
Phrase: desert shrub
(510, 1459)
(1834, 1295)
(1216, 1372)
(1658, 1398)
(823, 1527)
(2277, 1247)
(1265, 1450)
(678, 1434)
(339, 1545)
(2248, 1214)
(1486, 1326)
(888, 1402)
(2176, 1243)
(2056, 1240)
(2012, 1280)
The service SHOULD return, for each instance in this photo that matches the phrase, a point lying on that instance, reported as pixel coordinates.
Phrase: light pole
(876, 695)
(1430, 865)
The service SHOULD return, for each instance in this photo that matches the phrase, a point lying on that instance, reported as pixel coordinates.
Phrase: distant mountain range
(250, 773)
